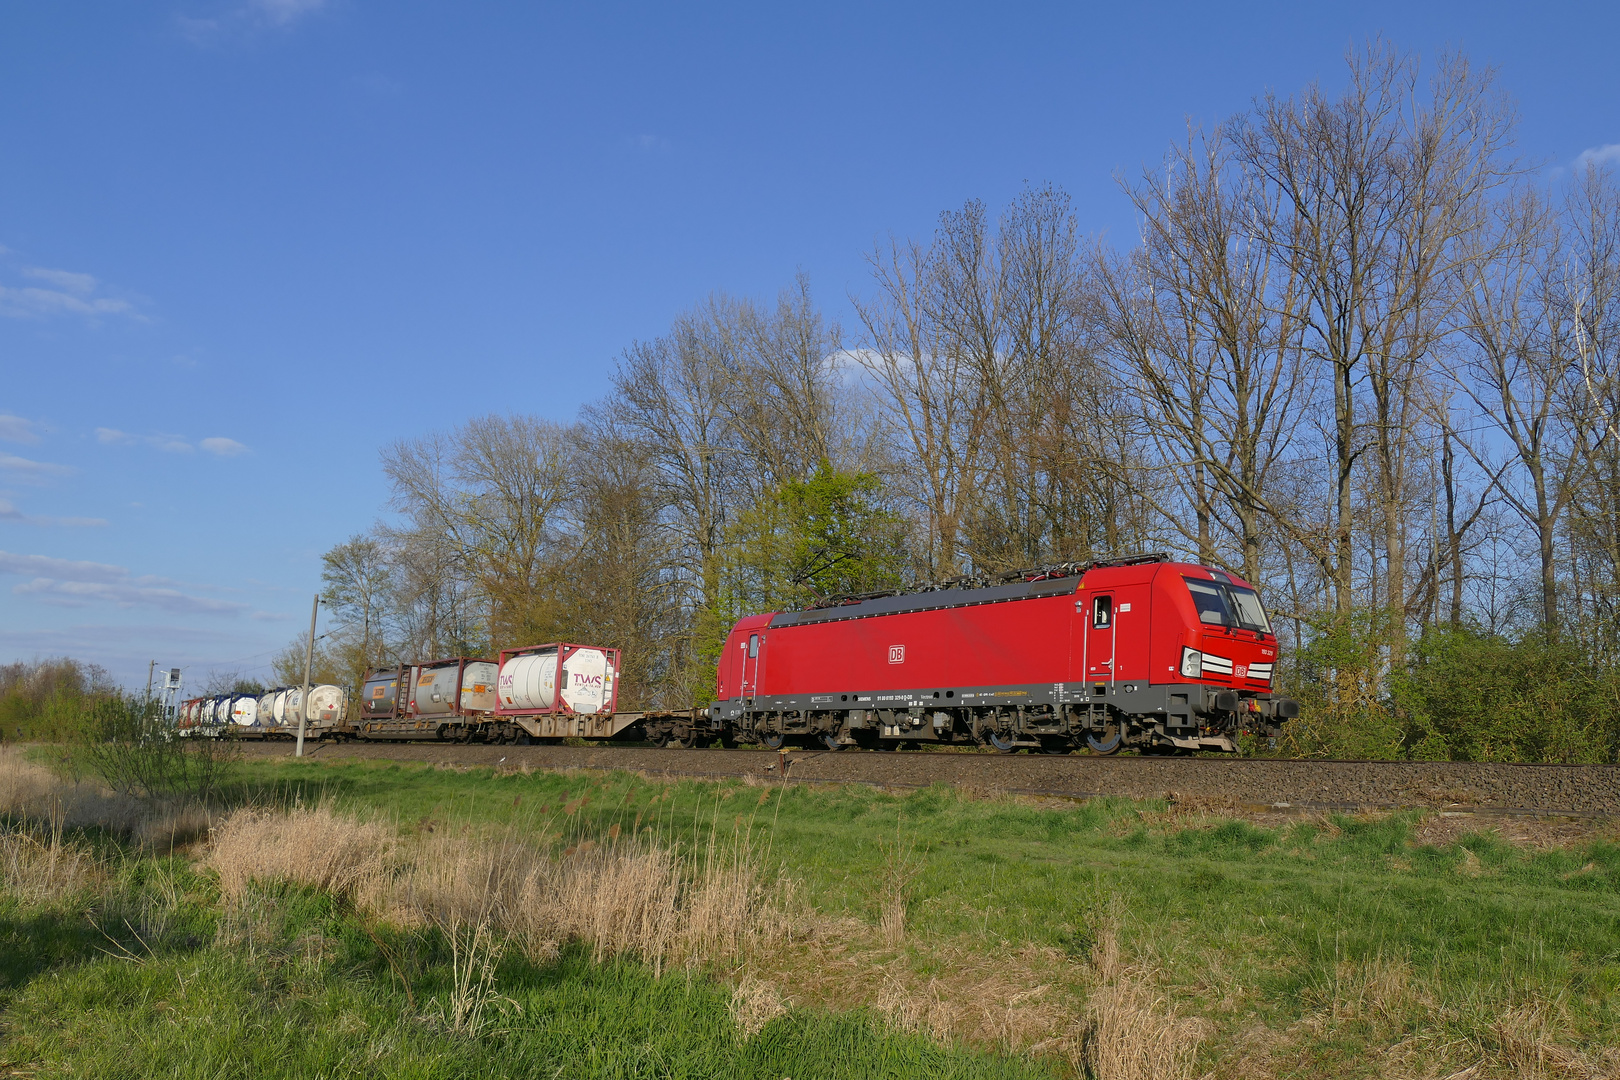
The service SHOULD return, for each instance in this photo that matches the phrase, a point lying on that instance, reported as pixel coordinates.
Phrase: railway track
(1551, 790)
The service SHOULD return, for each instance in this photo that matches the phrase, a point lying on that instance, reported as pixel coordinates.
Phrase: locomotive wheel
(1056, 744)
(773, 740)
(1005, 742)
(830, 741)
(1113, 738)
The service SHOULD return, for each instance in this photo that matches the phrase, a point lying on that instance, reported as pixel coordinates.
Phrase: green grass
(1279, 931)
(1246, 924)
(162, 993)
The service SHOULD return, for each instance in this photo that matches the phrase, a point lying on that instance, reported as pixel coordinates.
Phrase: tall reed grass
(628, 896)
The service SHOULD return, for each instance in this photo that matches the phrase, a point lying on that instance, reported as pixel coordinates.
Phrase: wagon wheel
(1005, 742)
(830, 741)
(773, 740)
(662, 739)
(1109, 742)
(684, 743)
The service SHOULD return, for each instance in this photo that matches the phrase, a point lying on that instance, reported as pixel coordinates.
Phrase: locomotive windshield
(1221, 604)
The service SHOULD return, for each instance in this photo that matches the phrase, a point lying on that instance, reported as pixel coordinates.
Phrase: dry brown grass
(33, 793)
(1526, 1040)
(1133, 1032)
(625, 897)
(40, 866)
(754, 1004)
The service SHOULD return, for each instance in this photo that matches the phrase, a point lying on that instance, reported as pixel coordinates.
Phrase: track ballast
(1575, 790)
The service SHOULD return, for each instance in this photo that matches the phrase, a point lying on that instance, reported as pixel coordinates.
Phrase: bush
(1472, 696)
(123, 741)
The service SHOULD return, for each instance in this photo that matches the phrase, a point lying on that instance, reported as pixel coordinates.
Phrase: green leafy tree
(801, 543)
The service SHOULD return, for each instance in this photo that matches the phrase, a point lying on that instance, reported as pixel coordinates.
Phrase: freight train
(1141, 653)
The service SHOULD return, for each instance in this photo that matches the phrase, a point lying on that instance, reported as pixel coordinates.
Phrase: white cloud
(1599, 156)
(83, 593)
(67, 583)
(79, 284)
(174, 444)
(286, 12)
(36, 471)
(66, 569)
(9, 512)
(16, 429)
(40, 303)
(222, 447)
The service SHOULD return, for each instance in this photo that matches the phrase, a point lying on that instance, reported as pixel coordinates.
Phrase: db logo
(897, 654)
(1242, 671)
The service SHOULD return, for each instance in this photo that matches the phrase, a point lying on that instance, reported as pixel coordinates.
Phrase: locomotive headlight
(1192, 663)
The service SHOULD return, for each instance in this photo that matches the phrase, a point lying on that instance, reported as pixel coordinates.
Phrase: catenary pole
(309, 662)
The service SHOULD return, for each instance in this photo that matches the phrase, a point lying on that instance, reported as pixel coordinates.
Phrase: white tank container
(292, 706)
(327, 704)
(245, 711)
(266, 709)
(278, 708)
(587, 683)
(529, 681)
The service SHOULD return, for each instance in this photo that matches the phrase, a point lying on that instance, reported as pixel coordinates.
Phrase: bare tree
(1378, 189)
(1206, 326)
(488, 496)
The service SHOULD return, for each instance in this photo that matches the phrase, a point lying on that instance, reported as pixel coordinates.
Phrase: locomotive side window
(1102, 611)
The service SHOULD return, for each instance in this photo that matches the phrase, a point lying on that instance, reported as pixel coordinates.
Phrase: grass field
(867, 934)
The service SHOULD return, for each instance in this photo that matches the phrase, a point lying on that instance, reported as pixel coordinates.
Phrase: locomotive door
(1099, 654)
(750, 671)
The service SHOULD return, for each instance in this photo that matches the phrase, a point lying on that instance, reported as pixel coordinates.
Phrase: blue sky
(245, 243)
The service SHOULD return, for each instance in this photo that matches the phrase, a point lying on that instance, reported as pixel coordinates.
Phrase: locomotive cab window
(1211, 601)
(1246, 606)
(753, 644)
(1220, 604)
(1102, 611)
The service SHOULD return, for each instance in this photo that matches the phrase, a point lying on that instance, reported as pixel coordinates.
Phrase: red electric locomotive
(1142, 653)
